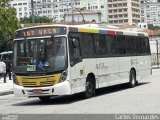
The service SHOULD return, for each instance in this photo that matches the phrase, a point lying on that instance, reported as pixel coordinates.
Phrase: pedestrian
(3, 70)
(8, 68)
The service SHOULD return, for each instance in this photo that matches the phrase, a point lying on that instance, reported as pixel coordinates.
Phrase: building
(100, 5)
(54, 9)
(150, 13)
(83, 16)
(123, 12)
(22, 8)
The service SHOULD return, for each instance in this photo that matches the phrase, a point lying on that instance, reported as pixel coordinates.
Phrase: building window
(20, 9)
(115, 10)
(19, 3)
(25, 8)
(102, 6)
(126, 20)
(110, 11)
(20, 14)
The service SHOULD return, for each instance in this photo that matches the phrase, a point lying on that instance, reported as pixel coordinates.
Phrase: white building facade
(54, 8)
(22, 8)
(150, 13)
(51, 8)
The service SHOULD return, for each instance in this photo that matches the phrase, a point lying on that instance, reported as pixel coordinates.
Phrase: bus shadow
(77, 97)
(116, 88)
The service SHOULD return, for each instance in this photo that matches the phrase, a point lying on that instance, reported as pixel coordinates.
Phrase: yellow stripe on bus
(89, 30)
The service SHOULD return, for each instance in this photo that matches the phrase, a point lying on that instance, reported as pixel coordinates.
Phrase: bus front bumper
(62, 88)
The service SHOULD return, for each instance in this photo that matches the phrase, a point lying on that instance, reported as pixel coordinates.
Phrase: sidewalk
(6, 88)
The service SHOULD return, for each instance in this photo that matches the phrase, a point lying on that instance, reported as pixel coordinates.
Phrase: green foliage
(8, 25)
(38, 19)
(150, 26)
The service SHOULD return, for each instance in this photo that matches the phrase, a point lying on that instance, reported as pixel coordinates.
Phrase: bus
(55, 60)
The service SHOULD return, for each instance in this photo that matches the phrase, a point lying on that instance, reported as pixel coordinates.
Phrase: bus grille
(37, 83)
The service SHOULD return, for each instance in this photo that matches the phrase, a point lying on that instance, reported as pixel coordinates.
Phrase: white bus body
(104, 70)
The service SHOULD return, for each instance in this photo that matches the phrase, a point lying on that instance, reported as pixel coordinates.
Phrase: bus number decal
(31, 68)
(101, 66)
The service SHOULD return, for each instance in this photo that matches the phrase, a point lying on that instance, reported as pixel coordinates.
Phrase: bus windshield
(42, 55)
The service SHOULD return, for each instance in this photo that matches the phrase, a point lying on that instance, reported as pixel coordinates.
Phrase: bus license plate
(37, 91)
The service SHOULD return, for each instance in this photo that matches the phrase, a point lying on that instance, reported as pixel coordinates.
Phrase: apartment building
(22, 7)
(150, 12)
(52, 8)
(123, 12)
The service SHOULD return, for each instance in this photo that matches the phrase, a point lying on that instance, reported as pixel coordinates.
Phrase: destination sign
(40, 31)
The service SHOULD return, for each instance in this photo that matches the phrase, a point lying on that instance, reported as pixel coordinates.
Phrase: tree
(8, 24)
(150, 26)
(38, 19)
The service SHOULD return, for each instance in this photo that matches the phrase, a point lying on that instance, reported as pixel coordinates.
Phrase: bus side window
(74, 50)
(148, 51)
(112, 45)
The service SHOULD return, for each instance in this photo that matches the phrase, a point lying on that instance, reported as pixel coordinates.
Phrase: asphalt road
(145, 98)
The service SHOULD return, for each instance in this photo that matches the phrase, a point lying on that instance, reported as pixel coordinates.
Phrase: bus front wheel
(89, 88)
(132, 79)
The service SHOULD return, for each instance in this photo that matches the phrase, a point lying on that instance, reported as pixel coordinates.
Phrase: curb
(6, 93)
(155, 67)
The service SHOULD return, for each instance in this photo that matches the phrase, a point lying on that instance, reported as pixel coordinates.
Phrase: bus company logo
(38, 83)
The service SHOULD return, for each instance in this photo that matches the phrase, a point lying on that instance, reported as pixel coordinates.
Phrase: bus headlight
(15, 80)
(63, 76)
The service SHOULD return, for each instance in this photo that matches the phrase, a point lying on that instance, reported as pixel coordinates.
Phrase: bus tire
(44, 98)
(132, 79)
(89, 88)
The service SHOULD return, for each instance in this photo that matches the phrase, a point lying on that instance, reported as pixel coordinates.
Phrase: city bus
(55, 60)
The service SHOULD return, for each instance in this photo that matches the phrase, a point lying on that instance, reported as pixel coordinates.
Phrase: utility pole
(157, 53)
(32, 7)
(72, 12)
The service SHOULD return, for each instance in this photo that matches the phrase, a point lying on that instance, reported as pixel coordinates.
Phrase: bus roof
(89, 28)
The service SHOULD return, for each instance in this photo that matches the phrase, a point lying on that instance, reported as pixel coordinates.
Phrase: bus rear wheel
(44, 98)
(132, 79)
(89, 88)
